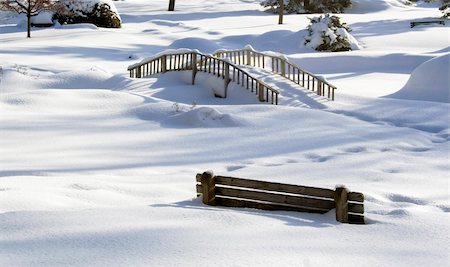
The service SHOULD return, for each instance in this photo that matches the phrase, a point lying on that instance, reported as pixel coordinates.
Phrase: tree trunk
(280, 11)
(28, 25)
(306, 5)
(29, 19)
(171, 5)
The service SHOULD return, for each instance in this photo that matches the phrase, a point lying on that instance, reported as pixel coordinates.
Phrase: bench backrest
(238, 192)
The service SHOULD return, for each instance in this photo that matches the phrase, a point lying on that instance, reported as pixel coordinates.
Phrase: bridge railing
(195, 62)
(281, 66)
(163, 63)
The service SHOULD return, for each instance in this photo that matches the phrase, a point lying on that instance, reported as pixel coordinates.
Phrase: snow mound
(371, 6)
(167, 23)
(18, 78)
(70, 102)
(204, 117)
(151, 111)
(204, 45)
(43, 18)
(428, 82)
(81, 79)
(77, 26)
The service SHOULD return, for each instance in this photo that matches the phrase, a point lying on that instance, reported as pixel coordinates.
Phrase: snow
(162, 53)
(44, 17)
(429, 81)
(81, 7)
(99, 169)
(322, 30)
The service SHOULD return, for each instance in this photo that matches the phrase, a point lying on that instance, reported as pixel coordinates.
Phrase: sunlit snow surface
(99, 169)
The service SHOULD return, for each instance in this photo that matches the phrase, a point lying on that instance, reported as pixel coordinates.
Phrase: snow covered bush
(445, 9)
(102, 13)
(309, 6)
(327, 33)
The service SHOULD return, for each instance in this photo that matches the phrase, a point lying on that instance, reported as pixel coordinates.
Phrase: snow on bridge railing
(186, 59)
(279, 64)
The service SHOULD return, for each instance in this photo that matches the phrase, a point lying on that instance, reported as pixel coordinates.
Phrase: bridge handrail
(279, 65)
(196, 61)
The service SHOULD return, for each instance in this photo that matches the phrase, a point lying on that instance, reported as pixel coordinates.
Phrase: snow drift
(429, 81)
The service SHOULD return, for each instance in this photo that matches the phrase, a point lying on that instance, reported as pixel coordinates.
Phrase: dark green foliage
(100, 15)
(291, 6)
(311, 6)
(328, 6)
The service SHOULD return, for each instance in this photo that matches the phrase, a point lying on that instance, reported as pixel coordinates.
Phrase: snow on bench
(245, 193)
(415, 23)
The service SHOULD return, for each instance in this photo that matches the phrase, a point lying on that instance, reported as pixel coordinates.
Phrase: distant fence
(280, 65)
(195, 62)
(245, 193)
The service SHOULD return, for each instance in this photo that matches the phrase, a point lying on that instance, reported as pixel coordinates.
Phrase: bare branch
(29, 7)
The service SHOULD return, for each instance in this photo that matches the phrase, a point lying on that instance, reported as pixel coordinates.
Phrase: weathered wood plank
(277, 187)
(277, 198)
(269, 186)
(356, 219)
(208, 188)
(356, 207)
(352, 207)
(347, 212)
(414, 23)
(356, 197)
(341, 203)
(239, 203)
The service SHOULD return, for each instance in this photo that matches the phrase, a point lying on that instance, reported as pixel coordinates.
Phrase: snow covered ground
(98, 169)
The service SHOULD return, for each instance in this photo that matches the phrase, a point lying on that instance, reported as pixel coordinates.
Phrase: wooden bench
(414, 23)
(245, 193)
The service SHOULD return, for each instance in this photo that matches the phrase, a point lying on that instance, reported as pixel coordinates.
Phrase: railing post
(164, 63)
(319, 87)
(249, 57)
(261, 92)
(226, 72)
(138, 72)
(194, 66)
(208, 188)
(283, 67)
(341, 203)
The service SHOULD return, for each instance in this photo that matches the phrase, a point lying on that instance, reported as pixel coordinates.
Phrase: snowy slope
(430, 81)
(98, 169)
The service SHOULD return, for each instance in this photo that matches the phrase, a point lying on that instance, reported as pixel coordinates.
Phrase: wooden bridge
(229, 65)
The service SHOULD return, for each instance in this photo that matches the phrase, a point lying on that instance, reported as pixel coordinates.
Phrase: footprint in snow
(357, 149)
(418, 149)
(391, 171)
(406, 199)
(273, 164)
(318, 158)
(234, 168)
(82, 187)
(398, 213)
